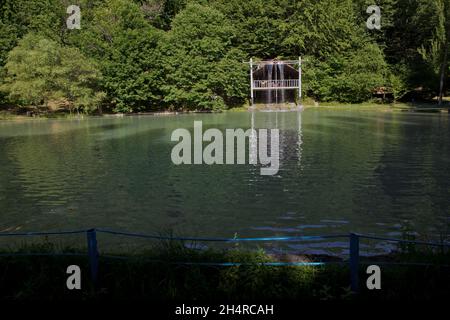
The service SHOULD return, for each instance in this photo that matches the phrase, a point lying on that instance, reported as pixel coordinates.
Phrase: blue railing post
(354, 262)
(93, 254)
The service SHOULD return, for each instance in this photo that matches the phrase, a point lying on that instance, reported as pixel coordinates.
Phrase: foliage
(398, 81)
(188, 54)
(323, 29)
(39, 70)
(198, 55)
(124, 44)
(259, 23)
(161, 12)
(348, 77)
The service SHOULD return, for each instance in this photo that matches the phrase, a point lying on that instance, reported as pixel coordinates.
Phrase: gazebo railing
(275, 84)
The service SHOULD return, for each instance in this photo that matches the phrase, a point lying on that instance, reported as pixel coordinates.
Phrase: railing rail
(94, 255)
(276, 84)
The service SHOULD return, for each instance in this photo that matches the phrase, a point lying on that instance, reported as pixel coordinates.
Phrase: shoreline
(10, 115)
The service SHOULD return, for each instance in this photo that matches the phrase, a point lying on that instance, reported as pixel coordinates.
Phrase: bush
(40, 70)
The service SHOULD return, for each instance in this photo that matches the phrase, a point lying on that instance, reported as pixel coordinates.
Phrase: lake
(372, 172)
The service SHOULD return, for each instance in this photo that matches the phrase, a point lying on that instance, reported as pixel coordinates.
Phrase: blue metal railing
(94, 255)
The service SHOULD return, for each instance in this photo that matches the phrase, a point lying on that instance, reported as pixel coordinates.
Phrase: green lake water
(340, 171)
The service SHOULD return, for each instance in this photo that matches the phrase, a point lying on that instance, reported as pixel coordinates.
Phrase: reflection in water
(253, 140)
(367, 172)
(285, 137)
(300, 139)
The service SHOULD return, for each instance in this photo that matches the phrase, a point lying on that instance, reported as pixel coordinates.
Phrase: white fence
(275, 84)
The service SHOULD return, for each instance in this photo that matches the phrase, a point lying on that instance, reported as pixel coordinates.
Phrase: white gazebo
(275, 77)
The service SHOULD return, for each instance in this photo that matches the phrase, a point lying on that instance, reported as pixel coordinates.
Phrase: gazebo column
(300, 79)
(251, 82)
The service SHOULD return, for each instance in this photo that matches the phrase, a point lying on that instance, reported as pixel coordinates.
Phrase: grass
(13, 115)
(155, 274)
(307, 103)
(366, 106)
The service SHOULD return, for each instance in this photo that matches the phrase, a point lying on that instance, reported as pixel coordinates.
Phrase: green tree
(133, 75)
(411, 46)
(435, 51)
(189, 53)
(261, 25)
(198, 58)
(125, 45)
(40, 70)
(347, 77)
(19, 17)
(341, 63)
(161, 12)
(323, 28)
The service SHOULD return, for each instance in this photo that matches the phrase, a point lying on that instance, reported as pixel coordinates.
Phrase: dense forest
(147, 55)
